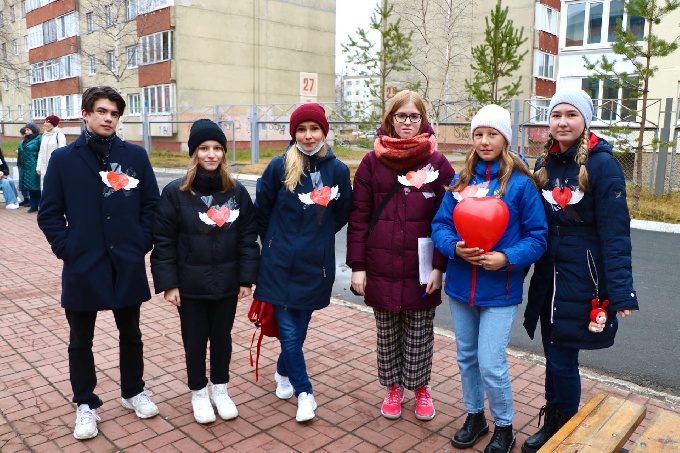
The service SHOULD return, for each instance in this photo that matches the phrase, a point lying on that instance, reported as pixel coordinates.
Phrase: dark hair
(22, 131)
(92, 95)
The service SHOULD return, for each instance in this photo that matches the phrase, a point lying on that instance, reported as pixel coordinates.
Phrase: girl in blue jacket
(587, 268)
(485, 286)
(302, 199)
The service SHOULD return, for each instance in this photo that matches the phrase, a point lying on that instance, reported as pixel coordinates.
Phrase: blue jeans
(562, 377)
(293, 326)
(482, 335)
(9, 190)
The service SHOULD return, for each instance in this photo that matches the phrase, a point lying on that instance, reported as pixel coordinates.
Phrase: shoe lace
(423, 397)
(541, 414)
(141, 400)
(393, 396)
(86, 416)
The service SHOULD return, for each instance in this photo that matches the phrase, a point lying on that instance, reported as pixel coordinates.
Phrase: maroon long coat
(390, 254)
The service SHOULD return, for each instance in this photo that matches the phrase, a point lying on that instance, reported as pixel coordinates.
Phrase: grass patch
(659, 209)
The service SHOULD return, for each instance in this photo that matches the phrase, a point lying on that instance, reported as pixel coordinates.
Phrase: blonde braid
(581, 159)
(541, 176)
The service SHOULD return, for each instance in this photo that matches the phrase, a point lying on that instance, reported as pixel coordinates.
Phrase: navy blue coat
(101, 234)
(597, 226)
(297, 266)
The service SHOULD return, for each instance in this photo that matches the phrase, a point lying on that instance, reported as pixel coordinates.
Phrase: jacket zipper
(474, 285)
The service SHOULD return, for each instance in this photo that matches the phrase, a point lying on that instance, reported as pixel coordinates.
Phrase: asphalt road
(647, 348)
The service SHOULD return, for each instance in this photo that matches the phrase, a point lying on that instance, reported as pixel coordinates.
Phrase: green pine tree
(628, 46)
(499, 57)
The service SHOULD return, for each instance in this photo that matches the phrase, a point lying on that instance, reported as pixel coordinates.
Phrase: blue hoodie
(523, 242)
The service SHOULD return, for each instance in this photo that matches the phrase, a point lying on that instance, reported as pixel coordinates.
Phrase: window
(93, 65)
(15, 44)
(6, 83)
(2, 19)
(49, 31)
(12, 15)
(159, 98)
(611, 103)
(133, 104)
(63, 106)
(132, 57)
(70, 66)
(546, 19)
(89, 19)
(18, 80)
(131, 9)
(148, 6)
(108, 15)
(20, 112)
(23, 8)
(25, 43)
(59, 68)
(156, 47)
(3, 50)
(544, 65)
(9, 113)
(594, 22)
(348, 83)
(540, 110)
(56, 29)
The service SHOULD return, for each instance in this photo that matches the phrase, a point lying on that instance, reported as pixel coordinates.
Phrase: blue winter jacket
(297, 266)
(588, 242)
(523, 242)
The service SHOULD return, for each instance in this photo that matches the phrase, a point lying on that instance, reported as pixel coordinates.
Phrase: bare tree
(439, 28)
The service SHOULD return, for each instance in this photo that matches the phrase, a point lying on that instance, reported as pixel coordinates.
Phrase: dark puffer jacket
(597, 226)
(297, 269)
(389, 255)
(203, 259)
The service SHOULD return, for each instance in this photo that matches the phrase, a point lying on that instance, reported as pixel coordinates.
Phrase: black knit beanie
(203, 130)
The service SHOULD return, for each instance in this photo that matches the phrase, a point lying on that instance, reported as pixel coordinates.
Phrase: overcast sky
(350, 15)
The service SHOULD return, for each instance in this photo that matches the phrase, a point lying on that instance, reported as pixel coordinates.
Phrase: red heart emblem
(321, 196)
(561, 197)
(117, 180)
(416, 178)
(481, 222)
(219, 216)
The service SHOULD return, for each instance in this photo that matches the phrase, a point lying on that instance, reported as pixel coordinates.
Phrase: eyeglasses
(414, 117)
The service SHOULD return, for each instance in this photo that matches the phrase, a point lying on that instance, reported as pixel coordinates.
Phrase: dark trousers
(562, 376)
(34, 201)
(81, 358)
(203, 320)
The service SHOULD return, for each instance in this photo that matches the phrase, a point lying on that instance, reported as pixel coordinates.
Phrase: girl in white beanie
(485, 286)
(588, 263)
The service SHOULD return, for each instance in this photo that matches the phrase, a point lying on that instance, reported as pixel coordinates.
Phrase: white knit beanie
(578, 98)
(495, 116)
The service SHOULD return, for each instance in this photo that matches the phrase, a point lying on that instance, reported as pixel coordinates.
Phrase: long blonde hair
(227, 181)
(541, 176)
(296, 164)
(509, 162)
(399, 100)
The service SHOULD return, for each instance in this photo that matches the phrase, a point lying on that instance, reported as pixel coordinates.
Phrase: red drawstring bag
(262, 315)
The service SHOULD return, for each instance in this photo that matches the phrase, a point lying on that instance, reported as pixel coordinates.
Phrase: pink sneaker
(424, 405)
(391, 406)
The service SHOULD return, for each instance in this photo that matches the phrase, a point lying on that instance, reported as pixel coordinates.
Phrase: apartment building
(173, 60)
(357, 94)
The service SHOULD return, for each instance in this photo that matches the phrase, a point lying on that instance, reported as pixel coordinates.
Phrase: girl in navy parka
(485, 286)
(302, 200)
(588, 263)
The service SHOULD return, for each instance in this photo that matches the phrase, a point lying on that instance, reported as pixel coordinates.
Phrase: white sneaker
(225, 406)
(203, 410)
(284, 389)
(12, 206)
(86, 422)
(141, 404)
(306, 407)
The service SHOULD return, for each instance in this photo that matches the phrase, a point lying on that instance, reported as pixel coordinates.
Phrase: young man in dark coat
(97, 213)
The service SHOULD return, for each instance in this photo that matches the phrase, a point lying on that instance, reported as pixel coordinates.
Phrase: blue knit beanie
(579, 99)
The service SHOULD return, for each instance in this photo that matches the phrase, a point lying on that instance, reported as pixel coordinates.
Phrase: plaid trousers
(405, 347)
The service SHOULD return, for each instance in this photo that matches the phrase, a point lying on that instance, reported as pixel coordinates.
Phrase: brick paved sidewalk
(36, 413)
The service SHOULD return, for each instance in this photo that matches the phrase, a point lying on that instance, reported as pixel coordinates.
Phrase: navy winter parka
(100, 231)
(593, 229)
(204, 259)
(297, 266)
(389, 255)
(524, 241)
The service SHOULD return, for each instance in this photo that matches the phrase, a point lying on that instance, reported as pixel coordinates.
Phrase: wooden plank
(572, 424)
(662, 434)
(602, 425)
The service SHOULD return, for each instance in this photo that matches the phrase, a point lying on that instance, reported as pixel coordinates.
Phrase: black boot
(552, 423)
(474, 427)
(502, 441)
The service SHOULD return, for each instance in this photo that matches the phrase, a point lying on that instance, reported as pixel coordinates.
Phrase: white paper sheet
(425, 251)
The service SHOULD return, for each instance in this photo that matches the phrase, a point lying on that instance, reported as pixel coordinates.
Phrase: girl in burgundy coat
(382, 248)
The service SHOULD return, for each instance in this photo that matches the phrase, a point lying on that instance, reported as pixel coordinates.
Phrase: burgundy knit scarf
(402, 153)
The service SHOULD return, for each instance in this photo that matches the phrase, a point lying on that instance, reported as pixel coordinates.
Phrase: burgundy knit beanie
(53, 120)
(308, 112)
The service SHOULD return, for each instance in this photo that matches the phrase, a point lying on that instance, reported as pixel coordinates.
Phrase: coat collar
(80, 145)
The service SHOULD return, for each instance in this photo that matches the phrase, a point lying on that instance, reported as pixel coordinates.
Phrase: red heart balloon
(219, 216)
(321, 196)
(481, 222)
